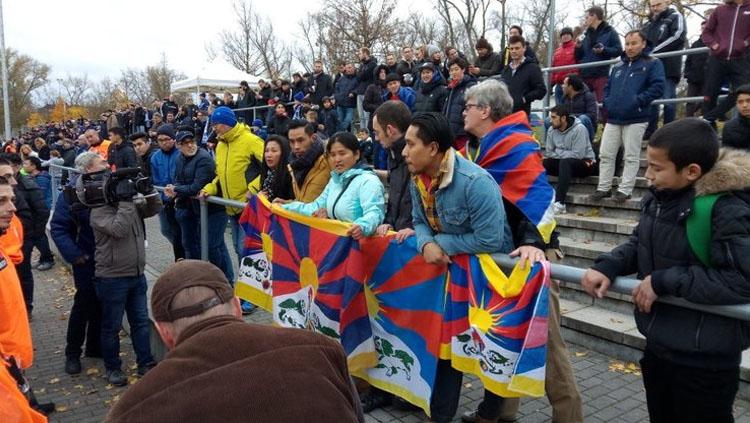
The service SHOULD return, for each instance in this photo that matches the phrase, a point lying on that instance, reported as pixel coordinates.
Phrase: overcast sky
(103, 37)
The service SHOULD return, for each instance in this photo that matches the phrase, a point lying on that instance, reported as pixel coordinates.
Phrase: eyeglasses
(469, 106)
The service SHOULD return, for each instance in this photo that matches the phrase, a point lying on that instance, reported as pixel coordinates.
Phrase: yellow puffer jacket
(239, 154)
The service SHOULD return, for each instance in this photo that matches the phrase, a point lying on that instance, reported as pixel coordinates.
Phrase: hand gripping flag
(511, 155)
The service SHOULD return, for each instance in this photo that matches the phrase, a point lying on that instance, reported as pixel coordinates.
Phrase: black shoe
(375, 398)
(142, 370)
(117, 377)
(599, 195)
(45, 266)
(403, 405)
(72, 365)
(620, 197)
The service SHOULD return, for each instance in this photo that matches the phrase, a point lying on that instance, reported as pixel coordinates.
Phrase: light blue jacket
(363, 202)
(470, 210)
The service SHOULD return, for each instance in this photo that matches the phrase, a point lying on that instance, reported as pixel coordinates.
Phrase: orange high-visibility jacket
(12, 241)
(15, 333)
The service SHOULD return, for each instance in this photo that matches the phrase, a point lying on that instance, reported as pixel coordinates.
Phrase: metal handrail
(688, 51)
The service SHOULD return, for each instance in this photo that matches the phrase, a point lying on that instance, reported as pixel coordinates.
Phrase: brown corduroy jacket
(225, 370)
(315, 181)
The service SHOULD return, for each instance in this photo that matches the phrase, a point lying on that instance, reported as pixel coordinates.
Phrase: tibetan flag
(512, 156)
(405, 297)
(254, 281)
(502, 337)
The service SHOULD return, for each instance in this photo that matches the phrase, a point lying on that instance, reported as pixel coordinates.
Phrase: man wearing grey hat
(244, 372)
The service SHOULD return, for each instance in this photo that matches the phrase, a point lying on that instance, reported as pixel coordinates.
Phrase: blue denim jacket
(470, 209)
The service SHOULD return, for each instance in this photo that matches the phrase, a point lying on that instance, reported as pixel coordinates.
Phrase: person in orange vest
(16, 350)
(96, 144)
(11, 242)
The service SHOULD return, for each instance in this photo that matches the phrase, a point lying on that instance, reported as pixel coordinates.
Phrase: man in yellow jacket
(239, 154)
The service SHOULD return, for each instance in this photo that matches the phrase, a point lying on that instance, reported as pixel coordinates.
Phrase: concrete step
(578, 203)
(595, 228)
(582, 253)
(615, 334)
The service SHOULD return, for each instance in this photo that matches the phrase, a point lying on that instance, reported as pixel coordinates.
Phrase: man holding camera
(120, 258)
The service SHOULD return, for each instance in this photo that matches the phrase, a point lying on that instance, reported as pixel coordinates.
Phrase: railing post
(204, 228)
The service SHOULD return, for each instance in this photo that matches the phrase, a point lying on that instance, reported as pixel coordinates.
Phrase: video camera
(108, 187)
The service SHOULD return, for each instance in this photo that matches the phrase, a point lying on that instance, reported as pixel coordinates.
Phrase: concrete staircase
(588, 229)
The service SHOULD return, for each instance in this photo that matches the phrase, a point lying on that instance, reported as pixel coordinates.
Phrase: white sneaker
(558, 207)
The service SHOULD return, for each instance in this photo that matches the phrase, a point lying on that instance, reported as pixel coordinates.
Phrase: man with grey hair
(241, 368)
(489, 118)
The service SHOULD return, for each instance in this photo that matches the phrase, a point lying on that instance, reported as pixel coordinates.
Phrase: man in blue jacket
(600, 42)
(163, 165)
(396, 92)
(467, 217)
(72, 233)
(634, 84)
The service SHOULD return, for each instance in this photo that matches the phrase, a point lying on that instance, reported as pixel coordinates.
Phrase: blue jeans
(585, 121)
(670, 110)
(218, 254)
(364, 115)
(345, 115)
(117, 296)
(190, 229)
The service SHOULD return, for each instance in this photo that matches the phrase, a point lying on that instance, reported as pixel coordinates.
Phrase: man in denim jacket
(456, 209)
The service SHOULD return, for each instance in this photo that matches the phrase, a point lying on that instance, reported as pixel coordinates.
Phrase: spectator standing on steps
(736, 132)
(727, 34)
(634, 84)
(600, 42)
(665, 31)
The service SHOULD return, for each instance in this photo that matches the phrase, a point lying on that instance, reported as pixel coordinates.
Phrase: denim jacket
(470, 210)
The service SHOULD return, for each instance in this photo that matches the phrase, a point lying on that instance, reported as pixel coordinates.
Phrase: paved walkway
(612, 390)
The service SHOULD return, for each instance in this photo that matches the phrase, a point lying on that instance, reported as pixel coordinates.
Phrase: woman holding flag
(354, 193)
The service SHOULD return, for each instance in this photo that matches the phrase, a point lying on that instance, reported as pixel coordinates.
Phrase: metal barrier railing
(256, 108)
(622, 285)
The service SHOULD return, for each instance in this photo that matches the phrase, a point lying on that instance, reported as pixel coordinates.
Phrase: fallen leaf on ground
(582, 353)
(61, 408)
(55, 380)
(92, 371)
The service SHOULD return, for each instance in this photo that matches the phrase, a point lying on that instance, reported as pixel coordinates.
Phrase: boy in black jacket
(692, 358)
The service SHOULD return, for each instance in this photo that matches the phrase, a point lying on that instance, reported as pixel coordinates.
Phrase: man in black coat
(665, 31)
(736, 131)
(523, 77)
(365, 77)
(320, 84)
(695, 74)
(120, 153)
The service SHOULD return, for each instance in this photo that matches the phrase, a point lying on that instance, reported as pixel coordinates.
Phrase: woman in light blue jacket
(354, 193)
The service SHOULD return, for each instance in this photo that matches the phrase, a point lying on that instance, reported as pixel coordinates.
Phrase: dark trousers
(25, 275)
(118, 296)
(170, 228)
(446, 392)
(596, 85)
(565, 170)
(694, 90)
(85, 322)
(736, 71)
(683, 394)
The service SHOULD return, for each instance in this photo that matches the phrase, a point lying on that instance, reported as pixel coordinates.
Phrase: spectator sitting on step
(568, 153)
(293, 374)
(691, 363)
(736, 132)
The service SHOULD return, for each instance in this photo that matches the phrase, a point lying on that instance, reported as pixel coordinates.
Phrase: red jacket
(564, 55)
(728, 26)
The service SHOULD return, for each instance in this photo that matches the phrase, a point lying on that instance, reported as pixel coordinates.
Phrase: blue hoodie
(363, 202)
(631, 88)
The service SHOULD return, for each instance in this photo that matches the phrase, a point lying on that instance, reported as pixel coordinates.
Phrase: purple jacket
(729, 26)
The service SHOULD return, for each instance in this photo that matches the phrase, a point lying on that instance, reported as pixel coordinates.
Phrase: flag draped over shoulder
(394, 314)
(511, 155)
